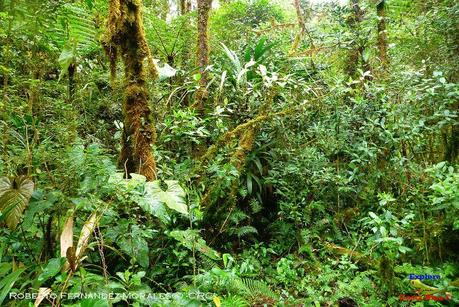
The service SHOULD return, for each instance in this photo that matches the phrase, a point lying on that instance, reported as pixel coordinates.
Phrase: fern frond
(255, 205)
(233, 301)
(75, 24)
(257, 287)
(237, 216)
(250, 288)
(207, 263)
(245, 230)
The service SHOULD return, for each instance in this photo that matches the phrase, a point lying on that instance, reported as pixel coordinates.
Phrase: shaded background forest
(282, 152)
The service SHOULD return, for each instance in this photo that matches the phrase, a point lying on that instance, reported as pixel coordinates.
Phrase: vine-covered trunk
(126, 34)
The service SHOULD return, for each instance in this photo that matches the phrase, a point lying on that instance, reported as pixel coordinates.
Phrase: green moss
(125, 36)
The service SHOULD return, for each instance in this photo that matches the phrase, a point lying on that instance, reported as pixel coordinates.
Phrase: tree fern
(255, 205)
(251, 288)
(75, 24)
(75, 35)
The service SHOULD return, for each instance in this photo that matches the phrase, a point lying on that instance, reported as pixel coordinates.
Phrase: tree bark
(125, 33)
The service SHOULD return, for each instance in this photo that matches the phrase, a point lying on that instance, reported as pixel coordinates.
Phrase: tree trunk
(301, 24)
(299, 15)
(202, 51)
(182, 7)
(126, 34)
(300, 34)
(355, 56)
(382, 34)
(185, 6)
(71, 72)
(355, 51)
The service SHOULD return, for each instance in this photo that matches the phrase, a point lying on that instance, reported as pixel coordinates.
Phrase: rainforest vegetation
(229, 153)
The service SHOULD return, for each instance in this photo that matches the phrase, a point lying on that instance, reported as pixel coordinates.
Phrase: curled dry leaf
(67, 236)
(85, 235)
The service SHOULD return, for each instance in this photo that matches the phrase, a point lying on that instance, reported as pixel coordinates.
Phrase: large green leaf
(149, 202)
(155, 195)
(90, 4)
(172, 196)
(67, 57)
(137, 248)
(192, 240)
(53, 267)
(127, 185)
(14, 197)
(4, 268)
(232, 56)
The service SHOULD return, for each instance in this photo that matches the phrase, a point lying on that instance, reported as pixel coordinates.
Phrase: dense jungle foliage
(229, 153)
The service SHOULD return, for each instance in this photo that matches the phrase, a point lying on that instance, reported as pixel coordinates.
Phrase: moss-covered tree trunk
(382, 33)
(125, 34)
(355, 50)
(355, 56)
(202, 51)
